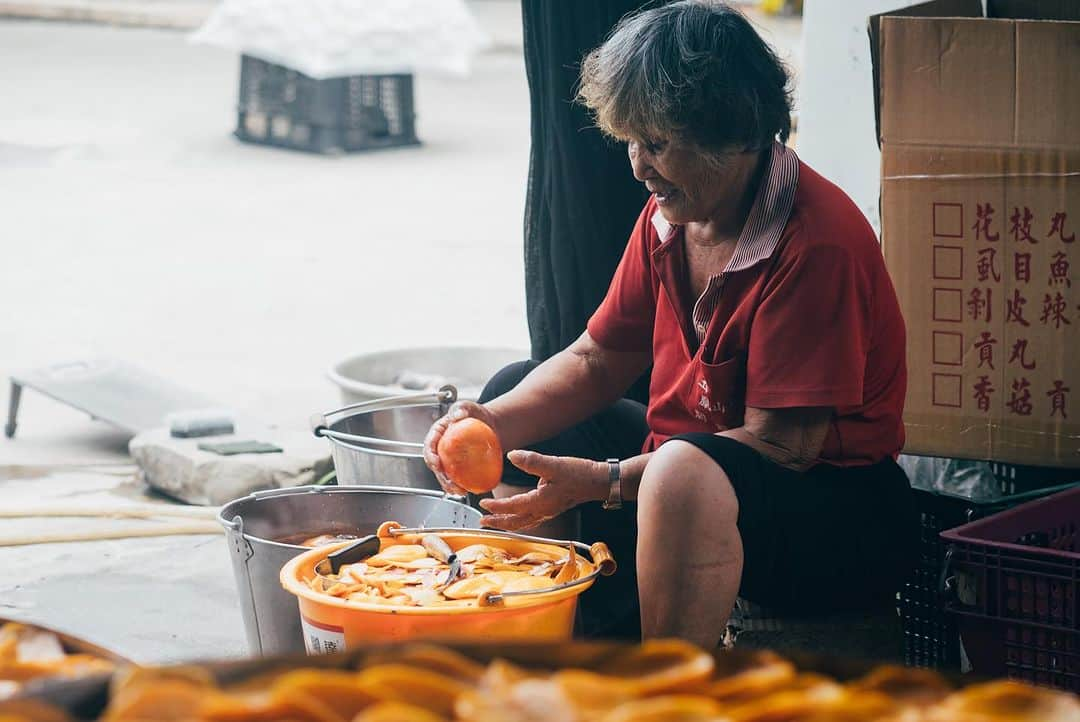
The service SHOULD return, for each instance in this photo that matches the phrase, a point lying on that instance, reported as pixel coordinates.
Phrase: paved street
(134, 225)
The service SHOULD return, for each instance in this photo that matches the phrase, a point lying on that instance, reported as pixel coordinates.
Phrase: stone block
(178, 468)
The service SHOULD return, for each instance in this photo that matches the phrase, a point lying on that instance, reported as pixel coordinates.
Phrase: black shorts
(830, 539)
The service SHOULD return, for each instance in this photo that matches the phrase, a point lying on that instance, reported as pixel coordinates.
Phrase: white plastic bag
(973, 480)
(333, 38)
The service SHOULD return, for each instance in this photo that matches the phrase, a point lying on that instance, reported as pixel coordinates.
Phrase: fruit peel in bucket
(405, 573)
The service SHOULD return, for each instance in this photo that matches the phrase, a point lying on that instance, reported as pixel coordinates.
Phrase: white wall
(836, 113)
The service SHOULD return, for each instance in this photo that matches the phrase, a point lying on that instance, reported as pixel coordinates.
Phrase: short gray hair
(694, 69)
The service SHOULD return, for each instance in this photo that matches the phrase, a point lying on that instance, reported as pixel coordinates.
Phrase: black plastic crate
(282, 107)
(1018, 479)
(931, 638)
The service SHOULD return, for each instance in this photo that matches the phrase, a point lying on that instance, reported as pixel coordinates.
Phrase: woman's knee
(681, 479)
(506, 379)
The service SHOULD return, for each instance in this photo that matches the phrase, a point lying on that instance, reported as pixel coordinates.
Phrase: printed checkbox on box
(948, 305)
(948, 390)
(948, 263)
(948, 220)
(948, 348)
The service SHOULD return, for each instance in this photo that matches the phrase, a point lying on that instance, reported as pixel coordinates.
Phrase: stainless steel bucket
(381, 442)
(254, 523)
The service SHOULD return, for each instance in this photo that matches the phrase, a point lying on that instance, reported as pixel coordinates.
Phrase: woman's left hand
(565, 482)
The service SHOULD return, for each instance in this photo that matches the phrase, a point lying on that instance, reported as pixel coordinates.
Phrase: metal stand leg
(13, 409)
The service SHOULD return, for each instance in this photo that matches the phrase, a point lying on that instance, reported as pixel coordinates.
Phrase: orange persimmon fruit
(471, 455)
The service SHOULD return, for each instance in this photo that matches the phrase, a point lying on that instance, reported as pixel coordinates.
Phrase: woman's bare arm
(791, 437)
(565, 390)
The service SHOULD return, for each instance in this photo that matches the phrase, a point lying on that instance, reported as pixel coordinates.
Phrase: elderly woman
(764, 465)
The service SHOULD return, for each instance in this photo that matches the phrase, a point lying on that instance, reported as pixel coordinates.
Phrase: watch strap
(614, 499)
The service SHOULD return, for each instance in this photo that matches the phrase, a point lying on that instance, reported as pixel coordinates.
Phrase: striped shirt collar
(768, 216)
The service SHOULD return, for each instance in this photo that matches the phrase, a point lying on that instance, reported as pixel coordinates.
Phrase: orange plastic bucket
(332, 624)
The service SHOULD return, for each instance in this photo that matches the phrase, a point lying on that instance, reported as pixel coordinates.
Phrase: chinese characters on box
(1020, 268)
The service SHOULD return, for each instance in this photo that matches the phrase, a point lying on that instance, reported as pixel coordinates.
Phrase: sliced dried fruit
(592, 694)
(1006, 701)
(500, 675)
(683, 708)
(663, 665)
(478, 553)
(536, 557)
(422, 687)
(29, 653)
(37, 645)
(569, 571)
(437, 659)
(919, 687)
(397, 554)
(275, 707)
(739, 677)
(31, 710)
(161, 700)
(404, 570)
(655, 682)
(808, 694)
(397, 712)
(421, 597)
(474, 586)
(527, 583)
(336, 688)
(542, 570)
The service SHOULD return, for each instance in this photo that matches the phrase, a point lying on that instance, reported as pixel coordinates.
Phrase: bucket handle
(494, 599)
(599, 554)
(262, 494)
(445, 396)
(368, 440)
(236, 526)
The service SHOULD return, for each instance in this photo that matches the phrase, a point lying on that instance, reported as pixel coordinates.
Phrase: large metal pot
(376, 374)
(255, 523)
(381, 442)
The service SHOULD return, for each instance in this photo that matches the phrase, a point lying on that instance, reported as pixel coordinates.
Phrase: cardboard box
(979, 123)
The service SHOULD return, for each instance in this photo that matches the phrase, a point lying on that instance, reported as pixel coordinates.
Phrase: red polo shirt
(804, 315)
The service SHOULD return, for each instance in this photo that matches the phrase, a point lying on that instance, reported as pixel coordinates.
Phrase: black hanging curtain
(582, 199)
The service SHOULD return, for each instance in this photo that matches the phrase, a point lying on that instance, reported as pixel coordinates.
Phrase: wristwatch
(614, 498)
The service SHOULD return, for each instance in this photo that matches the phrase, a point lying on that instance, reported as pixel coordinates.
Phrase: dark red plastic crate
(1015, 581)
(931, 638)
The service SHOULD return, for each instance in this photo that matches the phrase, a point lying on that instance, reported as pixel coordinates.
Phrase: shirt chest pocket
(717, 394)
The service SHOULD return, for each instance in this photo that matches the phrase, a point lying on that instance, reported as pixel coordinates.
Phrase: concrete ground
(154, 600)
(135, 226)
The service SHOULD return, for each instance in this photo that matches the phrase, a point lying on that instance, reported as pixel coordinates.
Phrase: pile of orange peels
(406, 574)
(658, 681)
(28, 653)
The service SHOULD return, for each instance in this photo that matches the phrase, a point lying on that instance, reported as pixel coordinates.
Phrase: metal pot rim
(336, 371)
(233, 522)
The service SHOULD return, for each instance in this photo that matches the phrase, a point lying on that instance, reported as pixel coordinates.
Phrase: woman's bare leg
(689, 553)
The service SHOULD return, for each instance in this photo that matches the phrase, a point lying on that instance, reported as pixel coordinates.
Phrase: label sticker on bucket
(322, 638)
